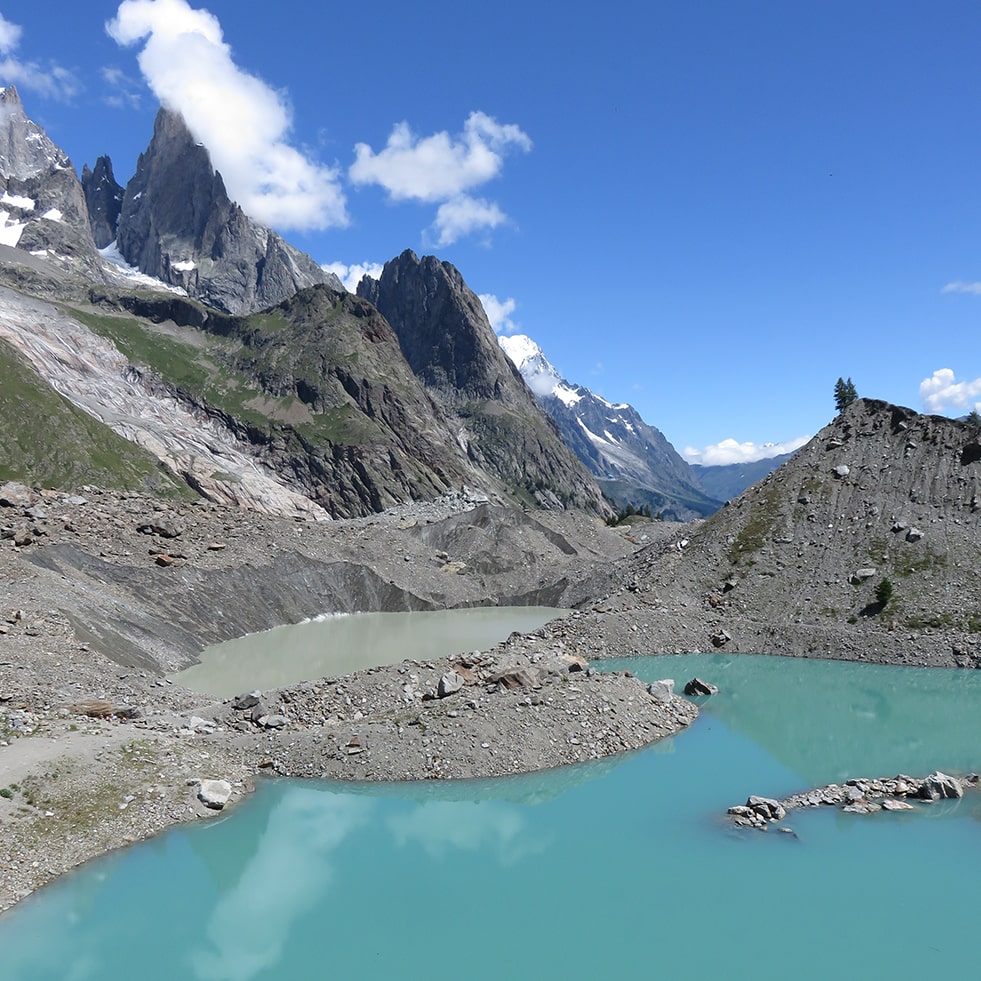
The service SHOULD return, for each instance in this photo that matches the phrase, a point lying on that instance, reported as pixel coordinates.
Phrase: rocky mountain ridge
(315, 390)
(177, 223)
(449, 343)
(613, 441)
(42, 206)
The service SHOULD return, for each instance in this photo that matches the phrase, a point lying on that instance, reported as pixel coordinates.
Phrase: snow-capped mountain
(42, 207)
(611, 439)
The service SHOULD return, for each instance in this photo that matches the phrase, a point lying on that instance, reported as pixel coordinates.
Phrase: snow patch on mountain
(610, 438)
(537, 371)
(122, 270)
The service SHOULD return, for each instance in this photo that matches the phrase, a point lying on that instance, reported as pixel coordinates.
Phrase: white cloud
(242, 121)
(437, 167)
(730, 451)
(940, 391)
(351, 275)
(51, 80)
(499, 313)
(462, 215)
(960, 287)
(9, 36)
(442, 169)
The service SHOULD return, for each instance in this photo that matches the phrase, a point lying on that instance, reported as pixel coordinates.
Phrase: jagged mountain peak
(442, 327)
(445, 336)
(540, 374)
(104, 199)
(178, 224)
(25, 149)
(42, 207)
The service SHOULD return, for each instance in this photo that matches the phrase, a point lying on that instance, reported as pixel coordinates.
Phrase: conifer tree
(845, 393)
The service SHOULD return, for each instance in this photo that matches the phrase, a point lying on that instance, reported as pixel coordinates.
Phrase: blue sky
(709, 210)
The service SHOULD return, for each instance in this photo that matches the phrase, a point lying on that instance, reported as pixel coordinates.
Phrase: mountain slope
(448, 342)
(634, 460)
(178, 225)
(794, 563)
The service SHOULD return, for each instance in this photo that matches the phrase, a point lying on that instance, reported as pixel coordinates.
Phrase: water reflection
(442, 827)
(287, 874)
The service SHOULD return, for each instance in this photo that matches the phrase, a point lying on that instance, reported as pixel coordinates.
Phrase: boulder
(767, 807)
(861, 575)
(698, 687)
(512, 678)
(14, 495)
(662, 690)
(272, 721)
(449, 684)
(891, 804)
(164, 527)
(214, 794)
(721, 638)
(938, 786)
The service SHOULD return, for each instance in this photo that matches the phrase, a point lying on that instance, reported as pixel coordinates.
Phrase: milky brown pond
(335, 645)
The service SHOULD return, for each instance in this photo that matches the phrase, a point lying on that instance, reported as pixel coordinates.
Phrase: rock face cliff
(616, 445)
(42, 207)
(448, 342)
(104, 200)
(178, 224)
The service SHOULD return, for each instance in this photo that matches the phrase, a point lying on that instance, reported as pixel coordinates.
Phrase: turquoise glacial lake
(625, 869)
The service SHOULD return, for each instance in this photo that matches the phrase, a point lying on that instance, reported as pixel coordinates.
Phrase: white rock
(214, 793)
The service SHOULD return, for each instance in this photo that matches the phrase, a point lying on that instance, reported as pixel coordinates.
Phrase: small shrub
(883, 593)
(6, 793)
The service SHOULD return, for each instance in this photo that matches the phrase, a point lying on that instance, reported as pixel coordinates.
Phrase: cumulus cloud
(242, 121)
(49, 80)
(499, 313)
(941, 392)
(462, 215)
(961, 287)
(351, 275)
(730, 451)
(442, 169)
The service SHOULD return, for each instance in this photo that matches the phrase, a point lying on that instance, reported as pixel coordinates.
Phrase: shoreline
(105, 594)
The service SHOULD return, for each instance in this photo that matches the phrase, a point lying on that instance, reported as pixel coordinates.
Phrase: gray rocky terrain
(105, 593)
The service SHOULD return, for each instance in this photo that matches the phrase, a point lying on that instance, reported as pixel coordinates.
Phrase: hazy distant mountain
(730, 480)
(634, 461)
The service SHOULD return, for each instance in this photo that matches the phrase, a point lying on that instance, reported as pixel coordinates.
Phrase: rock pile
(857, 796)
